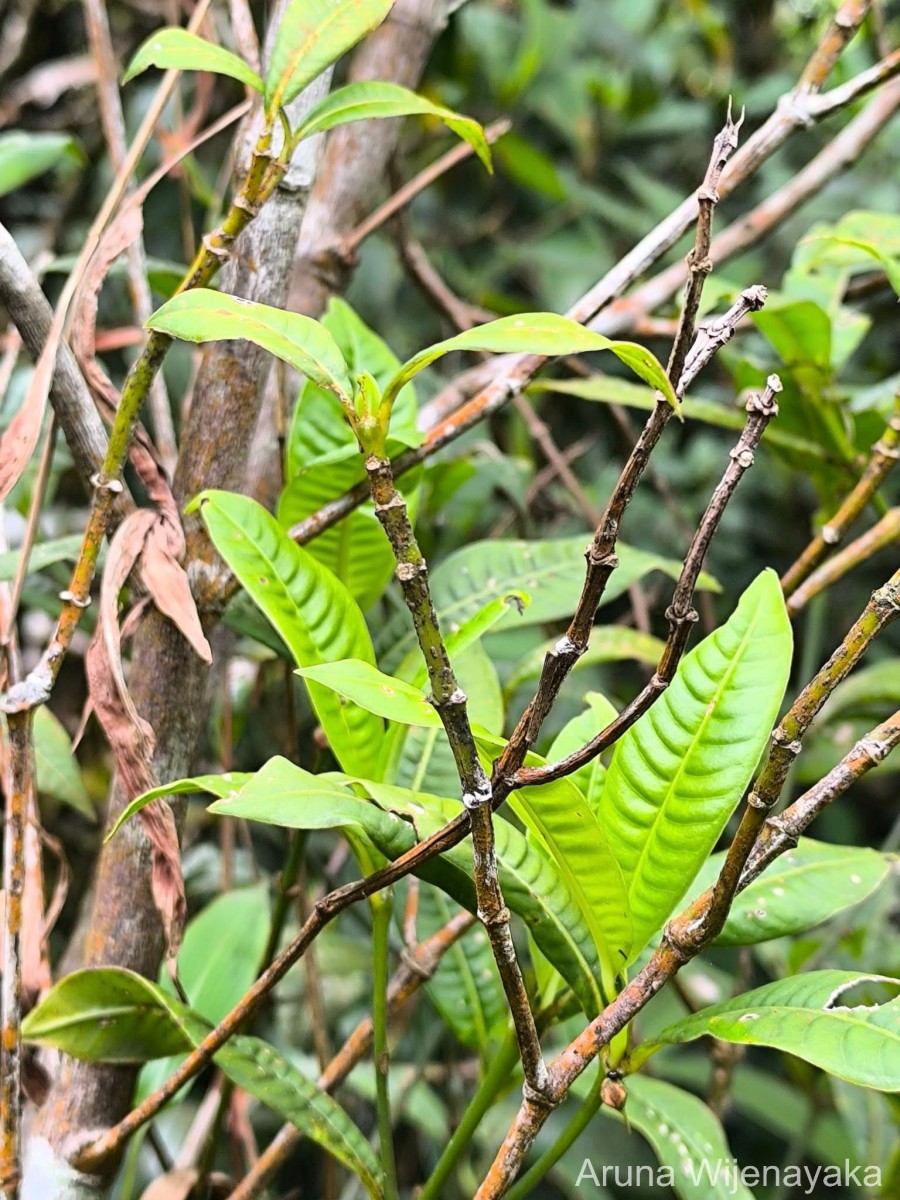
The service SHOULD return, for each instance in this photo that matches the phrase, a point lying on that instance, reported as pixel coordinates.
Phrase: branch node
(406, 570)
(69, 597)
(99, 484)
(540, 1097)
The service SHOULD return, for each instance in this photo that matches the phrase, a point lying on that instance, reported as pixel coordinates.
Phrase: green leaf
(804, 1016)
(466, 988)
(539, 333)
(105, 1015)
(44, 554)
(367, 100)
(219, 785)
(805, 887)
(204, 315)
(847, 245)
(606, 389)
(686, 1137)
(311, 36)
(679, 772)
(376, 692)
(609, 643)
(283, 794)
(273, 1080)
(58, 773)
(23, 156)
(799, 330)
(310, 608)
(112, 1015)
(551, 572)
(177, 49)
(574, 734)
(565, 828)
(222, 948)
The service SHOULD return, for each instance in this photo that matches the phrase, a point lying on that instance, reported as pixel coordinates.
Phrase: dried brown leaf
(129, 735)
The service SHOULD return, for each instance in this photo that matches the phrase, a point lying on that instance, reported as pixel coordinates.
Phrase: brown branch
(19, 789)
(883, 458)
(450, 702)
(883, 533)
(681, 614)
(782, 832)
(408, 192)
(417, 966)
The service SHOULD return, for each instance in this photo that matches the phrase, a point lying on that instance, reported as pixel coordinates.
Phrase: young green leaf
(678, 773)
(204, 315)
(217, 785)
(805, 1016)
(537, 333)
(310, 608)
(805, 887)
(374, 691)
(367, 100)
(323, 461)
(177, 49)
(311, 36)
(23, 156)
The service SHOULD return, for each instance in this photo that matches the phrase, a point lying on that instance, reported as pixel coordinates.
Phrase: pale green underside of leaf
(205, 315)
(367, 100)
(802, 889)
(311, 36)
(551, 572)
(183, 51)
(224, 785)
(309, 607)
(112, 1015)
(679, 772)
(804, 1016)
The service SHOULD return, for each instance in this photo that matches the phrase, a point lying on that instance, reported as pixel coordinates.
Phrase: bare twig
(782, 832)
(450, 702)
(883, 458)
(883, 533)
(680, 614)
(518, 370)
